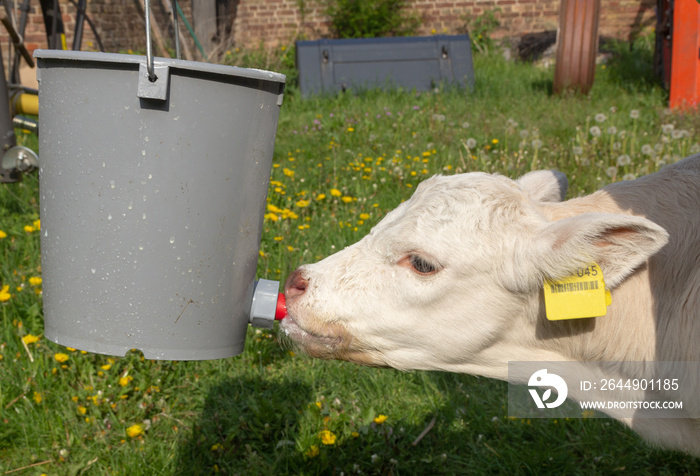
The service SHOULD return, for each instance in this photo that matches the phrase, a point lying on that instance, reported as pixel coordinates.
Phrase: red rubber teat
(281, 310)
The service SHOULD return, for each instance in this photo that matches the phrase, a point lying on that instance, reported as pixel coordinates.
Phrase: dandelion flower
(60, 357)
(536, 144)
(82, 410)
(37, 397)
(494, 141)
(578, 150)
(30, 339)
(623, 160)
(634, 114)
(35, 281)
(320, 196)
(302, 203)
(2, 235)
(364, 216)
(471, 143)
(380, 419)
(346, 199)
(335, 192)
(629, 177)
(647, 149)
(327, 437)
(37, 224)
(667, 128)
(124, 380)
(595, 131)
(612, 130)
(354, 434)
(524, 133)
(600, 117)
(29, 228)
(350, 129)
(134, 430)
(312, 452)
(611, 171)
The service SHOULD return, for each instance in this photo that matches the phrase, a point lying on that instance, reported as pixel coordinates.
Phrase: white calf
(452, 280)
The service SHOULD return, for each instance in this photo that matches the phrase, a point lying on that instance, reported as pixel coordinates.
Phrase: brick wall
(121, 27)
(278, 22)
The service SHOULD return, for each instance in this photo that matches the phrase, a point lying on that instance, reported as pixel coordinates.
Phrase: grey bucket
(152, 202)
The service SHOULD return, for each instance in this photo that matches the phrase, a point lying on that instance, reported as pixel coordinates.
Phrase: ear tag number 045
(581, 295)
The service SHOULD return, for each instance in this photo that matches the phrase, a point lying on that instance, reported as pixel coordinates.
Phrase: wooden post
(204, 18)
(577, 45)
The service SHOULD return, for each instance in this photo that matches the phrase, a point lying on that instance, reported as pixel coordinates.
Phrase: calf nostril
(296, 285)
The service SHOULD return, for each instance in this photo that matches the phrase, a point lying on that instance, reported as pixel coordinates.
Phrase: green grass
(340, 164)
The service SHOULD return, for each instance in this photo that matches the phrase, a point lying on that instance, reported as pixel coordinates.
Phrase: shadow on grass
(244, 427)
(262, 425)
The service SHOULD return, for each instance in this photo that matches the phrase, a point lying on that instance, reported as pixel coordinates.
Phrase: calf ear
(544, 185)
(618, 243)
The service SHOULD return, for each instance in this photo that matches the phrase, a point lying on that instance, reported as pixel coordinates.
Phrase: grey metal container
(152, 201)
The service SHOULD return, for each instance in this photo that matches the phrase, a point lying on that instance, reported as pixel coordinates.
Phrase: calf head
(449, 276)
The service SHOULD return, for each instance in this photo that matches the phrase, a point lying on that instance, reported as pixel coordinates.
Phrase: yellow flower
(288, 172)
(60, 357)
(271, 217)
(37, 224)
(312, 452)
(335, 192)
(380, 419)
(2, 235)
(350, 129)
(354, 434)
(290, 248)
(106, 366)
(318, 404)
(37, 397)
(217, 447)
(302, 203)
(320, 196)
(82, 410)
(5, 294)
(346, 199)
(134, 430)
(278, 238)
(364, 216)
(124, 381)
(29, 228)
(35, 280)
(30, 339)
(327, 437)
(494, 141)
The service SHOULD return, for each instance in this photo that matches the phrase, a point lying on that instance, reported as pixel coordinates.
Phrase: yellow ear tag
(579, 296)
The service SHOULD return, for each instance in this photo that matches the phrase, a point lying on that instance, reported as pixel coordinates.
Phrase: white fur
(494, 241)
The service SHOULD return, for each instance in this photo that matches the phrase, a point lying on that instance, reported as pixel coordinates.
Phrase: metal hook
(149, 48)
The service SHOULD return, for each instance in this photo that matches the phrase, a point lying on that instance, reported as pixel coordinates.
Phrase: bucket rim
(197, 66)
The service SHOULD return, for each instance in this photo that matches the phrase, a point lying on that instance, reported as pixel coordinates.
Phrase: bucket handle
(149, 85)
(149, 48)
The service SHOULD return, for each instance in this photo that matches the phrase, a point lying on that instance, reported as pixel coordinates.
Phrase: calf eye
(421, 265)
